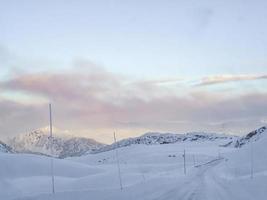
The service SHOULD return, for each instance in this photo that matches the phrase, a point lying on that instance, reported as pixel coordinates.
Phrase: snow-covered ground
(147, 171)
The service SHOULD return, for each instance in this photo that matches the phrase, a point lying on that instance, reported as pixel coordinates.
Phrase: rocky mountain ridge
(38, 142)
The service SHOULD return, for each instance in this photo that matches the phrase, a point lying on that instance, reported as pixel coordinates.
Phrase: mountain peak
(5, 148)
(38, 142)
(251, 136)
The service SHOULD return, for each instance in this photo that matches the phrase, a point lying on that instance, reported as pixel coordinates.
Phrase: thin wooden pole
(118, 162)
(184, 162)
(251, 160)
(51, 150)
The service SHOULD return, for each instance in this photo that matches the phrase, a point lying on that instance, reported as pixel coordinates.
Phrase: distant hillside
(170, 138)
(38, 142)
(5, 148)
(252, 136)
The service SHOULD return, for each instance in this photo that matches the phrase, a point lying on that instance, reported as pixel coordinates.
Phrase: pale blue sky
(140, 37)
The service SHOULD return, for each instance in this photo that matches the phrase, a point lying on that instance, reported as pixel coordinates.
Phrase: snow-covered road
(201, 185)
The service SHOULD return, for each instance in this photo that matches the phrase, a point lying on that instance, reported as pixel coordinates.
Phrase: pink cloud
(219, 79)
(99, 99)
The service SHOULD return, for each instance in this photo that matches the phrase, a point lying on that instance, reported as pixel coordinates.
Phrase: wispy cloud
(220, 79)
(164, 81)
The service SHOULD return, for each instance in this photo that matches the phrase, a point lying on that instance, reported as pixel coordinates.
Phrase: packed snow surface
(147, 171)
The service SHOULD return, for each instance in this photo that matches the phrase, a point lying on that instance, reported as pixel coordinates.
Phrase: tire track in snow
(202, 186)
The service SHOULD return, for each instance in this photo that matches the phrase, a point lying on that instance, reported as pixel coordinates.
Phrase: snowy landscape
(133, 100)
(151, 167)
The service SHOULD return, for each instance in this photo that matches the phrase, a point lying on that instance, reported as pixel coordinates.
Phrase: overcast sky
(133, 66)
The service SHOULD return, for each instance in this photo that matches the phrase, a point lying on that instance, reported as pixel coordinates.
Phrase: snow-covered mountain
(170, 138)
(38, 142)
(252, 136)
(5, 148)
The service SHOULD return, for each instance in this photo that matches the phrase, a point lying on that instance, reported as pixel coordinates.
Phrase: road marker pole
(51, 150)
(117, 158)
(184, 162)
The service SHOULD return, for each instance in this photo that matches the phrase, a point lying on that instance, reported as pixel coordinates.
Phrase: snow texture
(148, 172)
